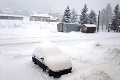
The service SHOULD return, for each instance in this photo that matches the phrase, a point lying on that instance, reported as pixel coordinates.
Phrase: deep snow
(94, 56)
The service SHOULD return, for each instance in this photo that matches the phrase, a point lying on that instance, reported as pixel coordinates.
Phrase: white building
(7, 11)
(43, 17)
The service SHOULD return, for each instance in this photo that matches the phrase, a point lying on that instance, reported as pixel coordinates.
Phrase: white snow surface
(94, 56)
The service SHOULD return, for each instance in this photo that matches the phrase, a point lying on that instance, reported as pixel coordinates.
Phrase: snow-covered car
(51, 60)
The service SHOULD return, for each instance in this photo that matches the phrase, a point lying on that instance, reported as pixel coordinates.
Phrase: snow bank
(12, 24)
(21, 24)
(53, 57)
(113, 55)
(99, 75)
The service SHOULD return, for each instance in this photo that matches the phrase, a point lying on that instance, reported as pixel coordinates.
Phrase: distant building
(7, 11)
(58, 15)
(39, 17)
(11, 17)
(53, 19)
(43, 17)
(88, 28)
(17, 12)
(1, 12)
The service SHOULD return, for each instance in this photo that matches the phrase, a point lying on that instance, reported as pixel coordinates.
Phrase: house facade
(10, 17)
(43, 17)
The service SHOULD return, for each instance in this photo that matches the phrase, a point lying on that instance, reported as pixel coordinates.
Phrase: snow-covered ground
(94, 56)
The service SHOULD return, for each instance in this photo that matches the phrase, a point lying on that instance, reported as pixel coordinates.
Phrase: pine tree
(92, 17)
(116, 20)
(102, 18)
(108, 15)
(116, 10)
(84, 16)
(67, 16)
(74, 16)
(105, 16)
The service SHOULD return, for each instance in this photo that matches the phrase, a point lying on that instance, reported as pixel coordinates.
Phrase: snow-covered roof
(7, 10)
(90, 25)
(53, 57)
(41, 15)
(11, 15)
(53, 18)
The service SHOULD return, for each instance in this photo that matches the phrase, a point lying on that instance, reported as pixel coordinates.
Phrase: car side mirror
(42, 58)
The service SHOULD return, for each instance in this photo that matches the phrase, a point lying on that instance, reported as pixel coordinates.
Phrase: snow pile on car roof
(53, 57)
(46, 49)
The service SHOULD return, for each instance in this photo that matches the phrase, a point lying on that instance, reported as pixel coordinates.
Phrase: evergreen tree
(116, 10)
(92, 17)
(74, 16)
(108, 15)
(102, 18)
(116, 20)
(84, 16)
(105, 16)
(67, 16)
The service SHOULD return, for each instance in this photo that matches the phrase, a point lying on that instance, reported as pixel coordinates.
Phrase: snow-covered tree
(74, 16)
(92, 17)
(84, 16)
(105, 16)
(67, 16)
(116, 18)
(102, 18)
(108, 15)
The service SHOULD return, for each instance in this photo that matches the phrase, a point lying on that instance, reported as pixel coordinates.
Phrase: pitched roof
(90, 25)
(11, 15)
(41, 15)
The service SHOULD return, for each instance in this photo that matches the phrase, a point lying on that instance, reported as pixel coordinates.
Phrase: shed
(68, 27)
(11, 17)
(88, 28)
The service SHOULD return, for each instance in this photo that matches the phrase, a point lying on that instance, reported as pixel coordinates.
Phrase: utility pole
(98, 21)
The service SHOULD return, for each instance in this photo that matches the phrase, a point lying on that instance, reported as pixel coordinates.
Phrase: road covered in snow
(94, 56)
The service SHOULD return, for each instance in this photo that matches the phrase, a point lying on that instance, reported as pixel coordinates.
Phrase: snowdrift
(99, 75)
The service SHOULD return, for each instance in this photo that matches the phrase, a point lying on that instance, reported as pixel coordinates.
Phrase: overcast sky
(56, 6)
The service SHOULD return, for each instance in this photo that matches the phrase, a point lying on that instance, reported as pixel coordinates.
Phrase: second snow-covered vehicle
(51, 60)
